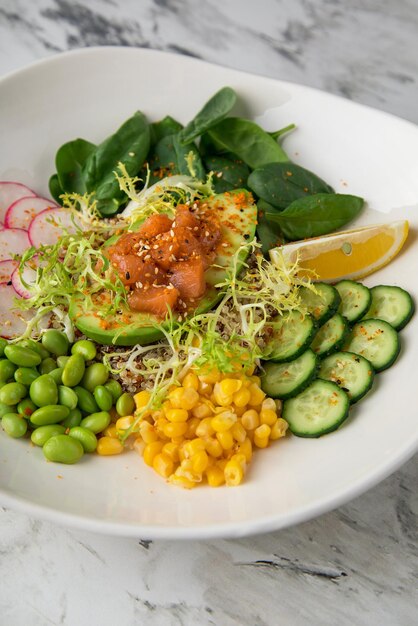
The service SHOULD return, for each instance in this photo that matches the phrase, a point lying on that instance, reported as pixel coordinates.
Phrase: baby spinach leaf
(247, 140)
(129, 145)
(55, 188)
(229, 173)
(316, 215)
(70, 160)
(282, 131)
(167, 126)
(215, 109)
(280, 184)
(269, 233)
(169, 157)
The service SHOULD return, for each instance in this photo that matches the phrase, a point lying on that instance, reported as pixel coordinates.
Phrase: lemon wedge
(350, 254)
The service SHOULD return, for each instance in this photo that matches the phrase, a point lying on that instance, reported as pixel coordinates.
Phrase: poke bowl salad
(188, 295)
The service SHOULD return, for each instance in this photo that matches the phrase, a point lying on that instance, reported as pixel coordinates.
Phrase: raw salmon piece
(155, 300)
(133, 269)
(155, 225)
(189, 277)
(168, 248)
(185, 218)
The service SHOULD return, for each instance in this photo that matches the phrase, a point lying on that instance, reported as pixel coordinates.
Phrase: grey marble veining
(355, 566)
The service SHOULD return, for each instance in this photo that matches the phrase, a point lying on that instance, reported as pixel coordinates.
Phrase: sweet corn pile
(205, 431)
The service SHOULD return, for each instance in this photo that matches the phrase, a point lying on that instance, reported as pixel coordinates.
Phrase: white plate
(88, 93)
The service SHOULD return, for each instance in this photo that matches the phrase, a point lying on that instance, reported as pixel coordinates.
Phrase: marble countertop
(356, 565)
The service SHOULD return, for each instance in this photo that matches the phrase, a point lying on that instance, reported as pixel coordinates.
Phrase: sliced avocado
(238, 218)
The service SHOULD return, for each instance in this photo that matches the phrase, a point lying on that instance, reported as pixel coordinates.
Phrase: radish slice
(23, 211)
(12, 320)
(9, 193)
(6, 270)
(28, 275)
(13, 241)
(48, 226)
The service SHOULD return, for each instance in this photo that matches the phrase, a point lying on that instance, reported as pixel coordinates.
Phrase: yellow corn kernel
(269, 403)
(267, 416)
(175, 429)
(191, 381)
(175, 397)
(160, 423)
(163, 464)
(123, 423)
(148, 432)
(255, 380)
(233, 473)
(107, 446)
(141, 399)
(177, 415)
(190, 448)
(205, 389)
(279, 406)
(190, 399)
(181, 481)
(219, 398)
(239, 410)
(257, 395)
(204, 428)
(201, 411)
(279, 429)
(215, 476)
(192, 425)
(238, 432)
(246, 448)
(261, 436)
(210, 376)
(111, 431)
(241, 459)
(166, 406)
(250, 419)
(139, 445)
(172, 450)
(225, 439)
(242, 397)
(151, 450)
(213, 447)
(223, 422)
(200, 462)
(229, 386)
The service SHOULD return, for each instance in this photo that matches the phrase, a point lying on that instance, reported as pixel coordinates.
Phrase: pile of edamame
(57, 392)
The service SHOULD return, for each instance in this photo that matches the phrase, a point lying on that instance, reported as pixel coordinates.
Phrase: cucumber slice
(376, 340)
(391, 304)
(319, 409)
(323, 304)
(331, 336)
(288, 337)
(355, 299)
(285, 380)
(352, 372)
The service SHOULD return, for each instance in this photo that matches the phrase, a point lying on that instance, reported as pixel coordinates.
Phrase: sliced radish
(12, 320)
(48, 226)
(29, 277)
(13, 241)
(9, 193)
(6, 270)
(23, 211)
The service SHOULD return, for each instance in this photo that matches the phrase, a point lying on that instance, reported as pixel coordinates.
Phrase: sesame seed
(207, 233)
(170, 248)
(171, 233)
(225, 245)
(155, 247)
(147, 275)
(156, 270)
(147, 257)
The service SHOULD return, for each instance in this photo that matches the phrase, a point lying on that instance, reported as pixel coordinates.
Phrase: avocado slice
(238, 218)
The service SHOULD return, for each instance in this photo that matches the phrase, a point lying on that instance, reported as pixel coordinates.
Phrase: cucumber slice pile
(320, 363)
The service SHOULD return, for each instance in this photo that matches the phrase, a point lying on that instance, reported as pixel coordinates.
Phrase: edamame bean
(86, 401)
(55, 342)
(23, 357)
(62, 360)
(5, 408)
(63, 449)
(74, 419)
(43, 391)
(73, 370)
(26, 375)
(12, 393)
(103, 398)
(56, 375)
(7, 369)
(85, 436)
(125, 405)
(115, 388)
(41, 434)
(67, 397)
(85, 348)
(14, 425)
(48, 365)
(96, 422)
(3, 344)
(50, 414)
(96, 374)
(26, 407)
(34, 345)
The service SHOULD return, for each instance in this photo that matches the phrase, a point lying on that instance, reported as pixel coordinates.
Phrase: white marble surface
(354, 566)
